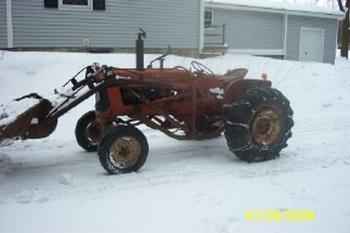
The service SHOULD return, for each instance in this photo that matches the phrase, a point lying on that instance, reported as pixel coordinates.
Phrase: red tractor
(185, 104)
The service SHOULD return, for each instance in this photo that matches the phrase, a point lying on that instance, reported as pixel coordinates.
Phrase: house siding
(295, 23)
(251, 30)
(3, 24)
(167, 22)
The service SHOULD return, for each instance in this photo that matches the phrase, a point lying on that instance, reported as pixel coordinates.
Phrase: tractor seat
(231, 75)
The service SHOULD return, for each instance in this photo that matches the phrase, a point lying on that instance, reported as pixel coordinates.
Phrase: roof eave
(272, 10)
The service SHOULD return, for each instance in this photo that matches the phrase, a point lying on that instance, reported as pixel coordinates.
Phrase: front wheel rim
(92, 133)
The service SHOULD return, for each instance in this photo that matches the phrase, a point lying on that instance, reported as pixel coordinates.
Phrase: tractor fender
(237, 88)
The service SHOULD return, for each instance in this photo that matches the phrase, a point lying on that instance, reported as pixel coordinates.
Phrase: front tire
(87, 132)
(258, 125)
(123, 149)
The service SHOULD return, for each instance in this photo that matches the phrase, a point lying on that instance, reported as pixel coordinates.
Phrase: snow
(10, 111)
(218, 92)
(51, 185)
(280, 5)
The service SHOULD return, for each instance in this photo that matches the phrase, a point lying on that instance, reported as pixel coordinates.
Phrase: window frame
(88, 7)
(211, 18)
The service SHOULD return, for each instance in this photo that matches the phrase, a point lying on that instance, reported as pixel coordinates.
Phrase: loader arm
(40, 120)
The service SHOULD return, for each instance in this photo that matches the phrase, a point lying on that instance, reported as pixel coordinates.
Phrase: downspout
(285, 35)
(201, 26)
(9, 24)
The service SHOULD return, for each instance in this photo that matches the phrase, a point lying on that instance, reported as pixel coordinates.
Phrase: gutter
(228, 6)
(285, 35)
(9, 24)
(201, 26)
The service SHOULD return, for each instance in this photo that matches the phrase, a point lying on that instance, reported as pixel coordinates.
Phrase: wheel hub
(125, 151)
(266, 127)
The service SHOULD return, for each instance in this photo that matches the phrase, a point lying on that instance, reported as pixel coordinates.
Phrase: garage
(273, 29)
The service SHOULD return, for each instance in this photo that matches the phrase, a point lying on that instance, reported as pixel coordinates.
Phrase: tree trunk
(345, 36)
(341, 6)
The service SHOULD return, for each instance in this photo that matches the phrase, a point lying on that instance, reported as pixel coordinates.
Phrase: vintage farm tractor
(185, 104)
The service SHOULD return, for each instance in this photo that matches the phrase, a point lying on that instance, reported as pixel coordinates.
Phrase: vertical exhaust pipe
(140, 49)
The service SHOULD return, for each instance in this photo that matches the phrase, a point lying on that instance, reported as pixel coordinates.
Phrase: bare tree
(341, 6)
(345, 40)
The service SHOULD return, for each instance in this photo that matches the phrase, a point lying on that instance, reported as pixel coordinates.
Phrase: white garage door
(311, 44)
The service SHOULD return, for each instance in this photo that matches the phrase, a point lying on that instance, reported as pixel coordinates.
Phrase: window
(208, 18)
(75, 4)
(98, 5)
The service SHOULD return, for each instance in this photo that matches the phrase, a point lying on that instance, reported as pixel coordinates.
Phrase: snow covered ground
(51, 185)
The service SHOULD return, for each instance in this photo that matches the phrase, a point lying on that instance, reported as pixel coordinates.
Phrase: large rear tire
(86, 132)
(258, 125)
(123, 149)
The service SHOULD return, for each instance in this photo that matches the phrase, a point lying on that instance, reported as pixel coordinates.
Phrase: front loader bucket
(30, 123)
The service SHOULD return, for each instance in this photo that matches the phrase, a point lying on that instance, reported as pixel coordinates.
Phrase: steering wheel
(197, 67)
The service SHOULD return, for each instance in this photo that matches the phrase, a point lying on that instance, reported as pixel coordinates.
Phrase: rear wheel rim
(125, 152)
(266, 127)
